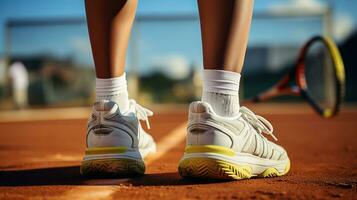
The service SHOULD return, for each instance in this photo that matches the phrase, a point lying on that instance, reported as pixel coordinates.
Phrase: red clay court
(41, 150)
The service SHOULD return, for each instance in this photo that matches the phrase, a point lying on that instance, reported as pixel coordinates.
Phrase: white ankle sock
(220, 90)
(114, 89)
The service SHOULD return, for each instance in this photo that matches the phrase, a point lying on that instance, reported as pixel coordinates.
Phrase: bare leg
(109, 25)
(225, 28)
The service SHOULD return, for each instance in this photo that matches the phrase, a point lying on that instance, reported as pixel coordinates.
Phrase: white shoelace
(258, 122)
(141, 112)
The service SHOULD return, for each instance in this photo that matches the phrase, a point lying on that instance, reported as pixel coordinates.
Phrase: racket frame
(284, 87)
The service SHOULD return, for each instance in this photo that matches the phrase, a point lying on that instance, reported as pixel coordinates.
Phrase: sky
(160, 43)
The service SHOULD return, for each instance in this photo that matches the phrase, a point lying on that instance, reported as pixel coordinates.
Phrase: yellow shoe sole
(214, 168)
(208, 168)
(104, 165)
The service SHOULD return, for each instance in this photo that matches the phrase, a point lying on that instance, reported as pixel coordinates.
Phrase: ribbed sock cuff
(220, 81)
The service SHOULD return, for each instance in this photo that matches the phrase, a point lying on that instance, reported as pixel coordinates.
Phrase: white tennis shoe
(116, 142)
(230, 148)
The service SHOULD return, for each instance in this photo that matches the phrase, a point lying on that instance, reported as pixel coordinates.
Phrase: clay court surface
(41, 150)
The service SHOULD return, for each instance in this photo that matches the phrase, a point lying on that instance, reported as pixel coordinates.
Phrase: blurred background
(46, 61)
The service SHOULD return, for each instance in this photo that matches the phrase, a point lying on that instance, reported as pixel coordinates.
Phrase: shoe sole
(208, 165)
(112, 168)
(112, 162)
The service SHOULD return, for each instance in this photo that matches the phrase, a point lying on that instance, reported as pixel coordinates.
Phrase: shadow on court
(45, 176)
(70, 176)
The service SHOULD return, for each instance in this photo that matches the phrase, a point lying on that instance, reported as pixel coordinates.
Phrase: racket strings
(320, 76)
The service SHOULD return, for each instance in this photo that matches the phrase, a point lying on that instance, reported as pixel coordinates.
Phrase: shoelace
(258, 122)
(141, 112)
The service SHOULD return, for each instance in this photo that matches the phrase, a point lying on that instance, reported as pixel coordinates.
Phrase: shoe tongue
(104, 105)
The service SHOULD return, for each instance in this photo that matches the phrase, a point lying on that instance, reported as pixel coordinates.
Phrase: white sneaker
(230, 148)
(116, 142)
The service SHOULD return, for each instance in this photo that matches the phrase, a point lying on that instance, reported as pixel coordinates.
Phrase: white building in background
(19, 83)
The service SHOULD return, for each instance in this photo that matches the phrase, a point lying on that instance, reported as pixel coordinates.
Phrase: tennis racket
(318, 77)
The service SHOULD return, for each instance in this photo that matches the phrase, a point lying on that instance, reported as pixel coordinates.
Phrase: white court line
(88, 192)
(170, 141)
